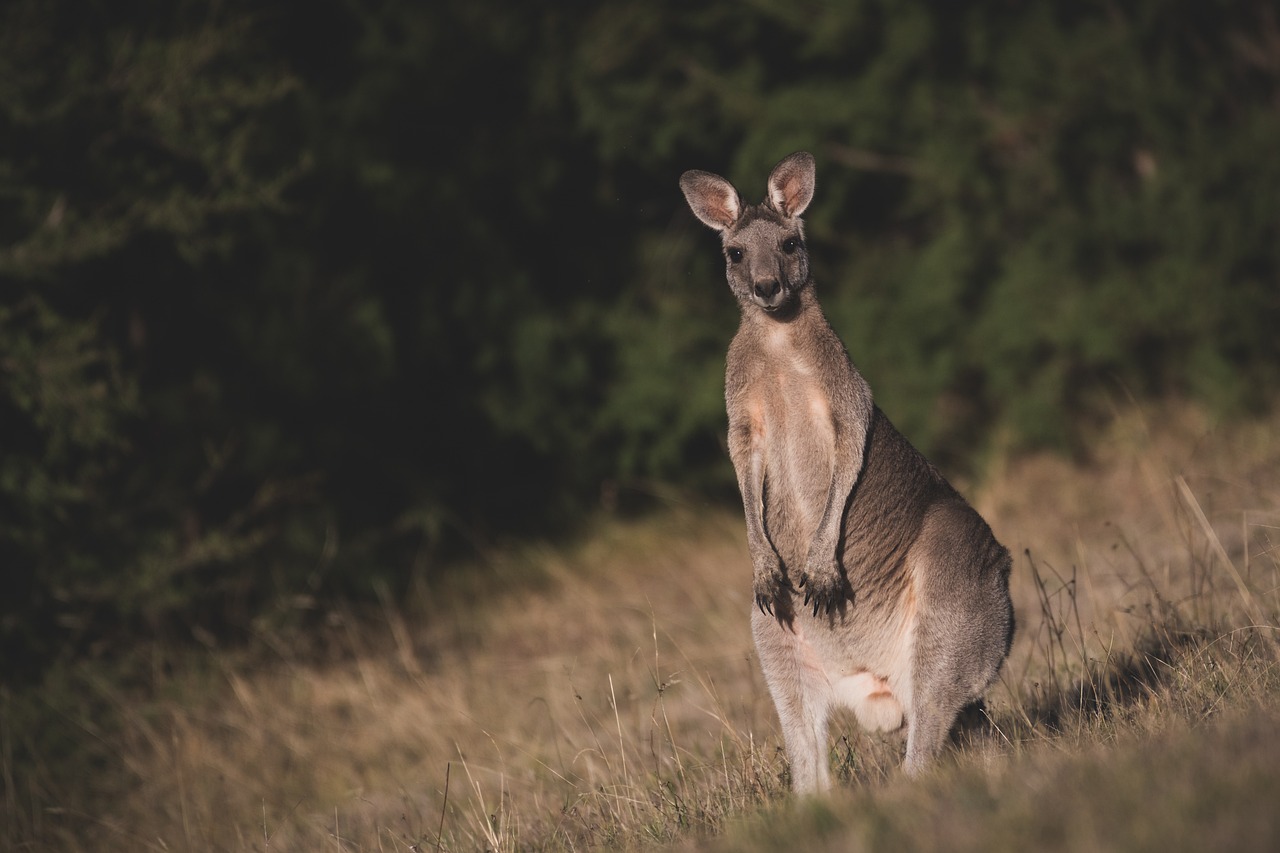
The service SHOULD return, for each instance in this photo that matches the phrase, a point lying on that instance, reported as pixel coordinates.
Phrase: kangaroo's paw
(773, 591)
(826, 589)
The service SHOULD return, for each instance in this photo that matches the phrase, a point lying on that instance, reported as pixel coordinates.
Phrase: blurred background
(300, 300)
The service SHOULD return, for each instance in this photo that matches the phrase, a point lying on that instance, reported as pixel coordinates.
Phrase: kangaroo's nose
(767, 289)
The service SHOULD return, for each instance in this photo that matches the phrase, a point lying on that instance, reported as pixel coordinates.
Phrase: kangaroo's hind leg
(801, 693)
(938, 701)
(964, 627)
(938, 691)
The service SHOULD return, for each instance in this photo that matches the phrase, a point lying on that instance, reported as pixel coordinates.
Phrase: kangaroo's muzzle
(769, 294)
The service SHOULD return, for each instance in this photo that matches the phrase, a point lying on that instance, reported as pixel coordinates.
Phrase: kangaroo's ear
(791, 184)
(712, 198)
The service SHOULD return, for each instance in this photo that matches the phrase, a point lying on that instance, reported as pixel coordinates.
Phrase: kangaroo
(876, 585)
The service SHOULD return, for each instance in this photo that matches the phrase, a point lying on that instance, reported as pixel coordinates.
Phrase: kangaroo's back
(877, 585)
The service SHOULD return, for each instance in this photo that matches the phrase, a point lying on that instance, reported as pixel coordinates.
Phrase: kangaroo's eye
(790, 244)
(734, 253)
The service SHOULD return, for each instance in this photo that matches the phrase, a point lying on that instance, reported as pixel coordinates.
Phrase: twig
(1250, 603)
(443, 807)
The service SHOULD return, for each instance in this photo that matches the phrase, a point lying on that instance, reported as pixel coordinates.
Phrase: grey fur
(877, 586)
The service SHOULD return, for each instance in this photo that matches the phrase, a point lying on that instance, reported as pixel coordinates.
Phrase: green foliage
(133, 164)
(665, 409)
(67, 403)
(1018, 208)
(296, 298)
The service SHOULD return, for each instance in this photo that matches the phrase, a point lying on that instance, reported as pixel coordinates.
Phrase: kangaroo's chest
(790, 407)
(799, 429)
(790, 394)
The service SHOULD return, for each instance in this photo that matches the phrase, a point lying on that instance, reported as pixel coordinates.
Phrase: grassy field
(605, 695)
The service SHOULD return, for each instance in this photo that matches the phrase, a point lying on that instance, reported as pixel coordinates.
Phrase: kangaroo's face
(765, 257)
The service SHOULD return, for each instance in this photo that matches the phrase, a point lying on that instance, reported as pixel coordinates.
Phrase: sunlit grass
(605, 695)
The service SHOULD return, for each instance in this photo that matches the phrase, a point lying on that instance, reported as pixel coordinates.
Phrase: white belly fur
(876, 686)
(872, 701)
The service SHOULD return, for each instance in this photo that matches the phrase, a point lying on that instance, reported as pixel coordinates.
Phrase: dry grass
(607, 695)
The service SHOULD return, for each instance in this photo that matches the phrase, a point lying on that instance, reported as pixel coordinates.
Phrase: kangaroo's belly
(859, 663)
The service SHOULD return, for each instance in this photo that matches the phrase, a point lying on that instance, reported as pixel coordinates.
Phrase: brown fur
(876, 584)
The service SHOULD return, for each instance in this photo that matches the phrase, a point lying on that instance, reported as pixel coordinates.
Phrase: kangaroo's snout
(768, 289)
(769, 292)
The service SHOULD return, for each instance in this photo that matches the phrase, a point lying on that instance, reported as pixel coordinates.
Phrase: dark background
(299, 297)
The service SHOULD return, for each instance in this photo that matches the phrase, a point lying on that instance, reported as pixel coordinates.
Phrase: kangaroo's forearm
(827, 536)
(751, 485)
(845, 468)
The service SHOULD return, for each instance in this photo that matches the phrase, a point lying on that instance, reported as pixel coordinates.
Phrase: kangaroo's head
(766, 261)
